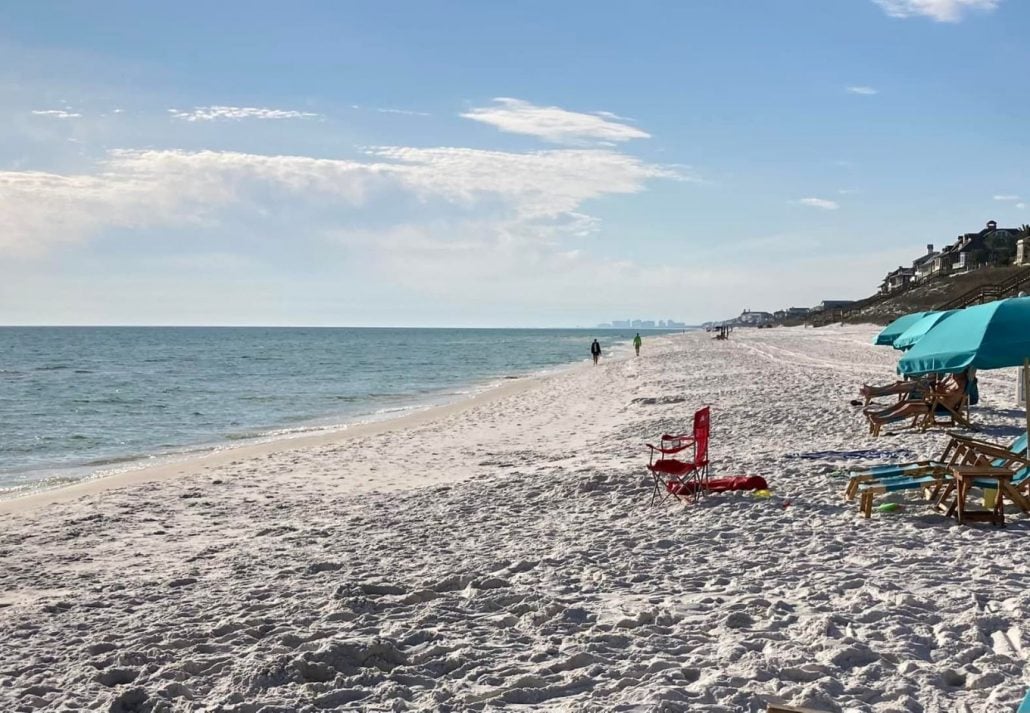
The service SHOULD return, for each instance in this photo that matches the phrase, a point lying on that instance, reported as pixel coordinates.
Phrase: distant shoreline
(62, 483)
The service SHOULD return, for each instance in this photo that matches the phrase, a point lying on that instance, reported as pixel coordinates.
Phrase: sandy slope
(510, 562)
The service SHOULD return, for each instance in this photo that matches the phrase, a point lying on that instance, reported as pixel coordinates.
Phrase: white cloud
(610, 115)
(939, 10)
(819, 203)
(57, 113)
(222, 113)
(1006, 198)
(847, 191)
(540, 191)
(388, 110)
(1021, 206)
(863, 90)
(553, 123)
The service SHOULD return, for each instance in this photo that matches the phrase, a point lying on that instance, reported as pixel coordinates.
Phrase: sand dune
(501, 556)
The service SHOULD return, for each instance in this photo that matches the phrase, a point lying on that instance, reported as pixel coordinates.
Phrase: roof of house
(925, 259)
(900, 272)
(975, 241)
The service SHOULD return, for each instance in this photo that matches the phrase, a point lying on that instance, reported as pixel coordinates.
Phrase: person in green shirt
(637, 341)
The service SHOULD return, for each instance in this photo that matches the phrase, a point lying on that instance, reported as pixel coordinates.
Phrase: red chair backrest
(702, 428)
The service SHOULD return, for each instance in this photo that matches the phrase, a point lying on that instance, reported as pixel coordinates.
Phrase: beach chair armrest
(680, 437)
(996, 452)
(970, 441)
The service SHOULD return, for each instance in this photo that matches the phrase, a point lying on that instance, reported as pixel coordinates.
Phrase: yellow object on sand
(990, 494)
(763, 493)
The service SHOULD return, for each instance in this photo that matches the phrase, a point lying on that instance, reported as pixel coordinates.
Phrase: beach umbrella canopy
(988, 336)
(893, 330)
(908, 338)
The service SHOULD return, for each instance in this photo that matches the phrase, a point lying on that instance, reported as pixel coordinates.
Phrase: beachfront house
(971, 251)
(923, 266)
(898, 279)
(791, 313)
(748, 318)
(827, 305)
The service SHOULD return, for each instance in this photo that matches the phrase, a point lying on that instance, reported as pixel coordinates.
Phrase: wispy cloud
(939, 10)
(552, 123)
(224, 113)
(57, 113)
(537, 191)
(1006, 198)
(1021, 205)
(388, 110)
(610, 115)
(819, 203)
(862, 90)
(847, 191)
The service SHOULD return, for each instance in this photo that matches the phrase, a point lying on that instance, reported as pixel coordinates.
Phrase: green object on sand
(889, 507)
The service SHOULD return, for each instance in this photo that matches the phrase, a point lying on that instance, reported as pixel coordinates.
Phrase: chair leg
(657, 488)
(852, 490)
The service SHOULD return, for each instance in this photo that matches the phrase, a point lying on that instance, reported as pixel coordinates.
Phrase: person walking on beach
(595, 351)
(637, 341)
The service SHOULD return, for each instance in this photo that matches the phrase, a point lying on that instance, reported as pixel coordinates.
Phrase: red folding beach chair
(677, 476)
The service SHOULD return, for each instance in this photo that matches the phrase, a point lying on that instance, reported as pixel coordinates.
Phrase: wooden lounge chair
(922, 411)
(956, 447)
(937, 481)
(954, 410)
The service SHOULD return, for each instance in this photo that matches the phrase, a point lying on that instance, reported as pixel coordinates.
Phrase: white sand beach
(499, 554)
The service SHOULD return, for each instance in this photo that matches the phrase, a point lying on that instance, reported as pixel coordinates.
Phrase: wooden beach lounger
(956, 447)
(923, 412)
(936, 482)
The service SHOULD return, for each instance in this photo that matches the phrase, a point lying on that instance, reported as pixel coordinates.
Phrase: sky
(517, 164)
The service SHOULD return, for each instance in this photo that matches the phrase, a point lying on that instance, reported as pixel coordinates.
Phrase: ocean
(78, 401)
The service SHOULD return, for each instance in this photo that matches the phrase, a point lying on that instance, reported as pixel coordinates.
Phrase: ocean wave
(114, 460)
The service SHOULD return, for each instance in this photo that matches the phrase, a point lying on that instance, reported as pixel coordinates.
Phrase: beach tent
(893, 330)
(908, 338)
(995, 335)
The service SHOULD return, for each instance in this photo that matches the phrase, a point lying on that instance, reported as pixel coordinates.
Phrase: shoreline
(159, 466)
(206, 459)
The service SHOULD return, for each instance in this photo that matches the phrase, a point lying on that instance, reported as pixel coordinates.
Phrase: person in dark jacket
(595, 351)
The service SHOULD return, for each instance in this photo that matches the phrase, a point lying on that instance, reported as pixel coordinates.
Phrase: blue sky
(494, 164)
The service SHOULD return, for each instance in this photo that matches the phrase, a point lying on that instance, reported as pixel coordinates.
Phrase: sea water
(75, 401)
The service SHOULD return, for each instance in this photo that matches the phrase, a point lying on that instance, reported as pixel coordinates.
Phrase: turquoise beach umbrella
(988, 336)
(908, 338)
(995, 335)
(893, 330)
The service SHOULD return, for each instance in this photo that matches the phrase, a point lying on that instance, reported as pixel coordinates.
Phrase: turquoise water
(74, 400)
